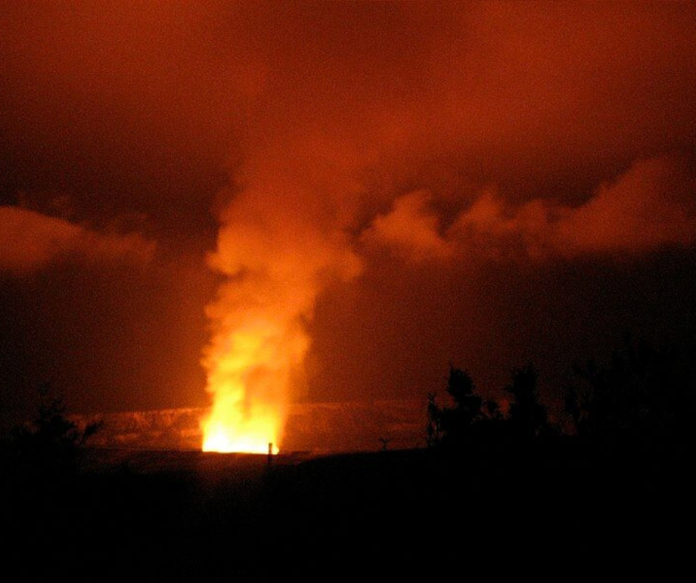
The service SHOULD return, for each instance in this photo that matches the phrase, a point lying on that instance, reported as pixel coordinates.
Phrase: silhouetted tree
(457, 422)
(641, 393)
(492, 427)
(492, 410)
(51, 441)
(470, 416)
(527, 417)
(433, 429)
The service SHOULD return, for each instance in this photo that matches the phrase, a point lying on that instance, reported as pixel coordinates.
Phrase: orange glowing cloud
(649, 207)
(411, 228)
(30, 241)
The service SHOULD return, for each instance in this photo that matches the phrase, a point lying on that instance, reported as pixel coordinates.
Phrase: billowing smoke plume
(279, 245)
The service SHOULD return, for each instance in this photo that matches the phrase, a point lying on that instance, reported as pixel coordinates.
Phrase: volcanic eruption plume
(278, 246)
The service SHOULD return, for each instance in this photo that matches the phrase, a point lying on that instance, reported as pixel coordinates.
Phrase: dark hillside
(547, 506)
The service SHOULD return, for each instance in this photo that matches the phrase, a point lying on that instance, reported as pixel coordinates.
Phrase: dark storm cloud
(436, 181)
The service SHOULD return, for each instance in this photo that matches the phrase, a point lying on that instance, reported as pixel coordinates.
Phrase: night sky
(395, 185)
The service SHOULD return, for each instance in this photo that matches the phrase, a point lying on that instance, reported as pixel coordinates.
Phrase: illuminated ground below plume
(310, 427)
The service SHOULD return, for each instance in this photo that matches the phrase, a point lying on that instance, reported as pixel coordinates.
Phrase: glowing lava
(249, 373)
(231, 429)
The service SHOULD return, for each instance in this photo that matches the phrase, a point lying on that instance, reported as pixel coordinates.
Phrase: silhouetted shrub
(470, 418)
(51, 442)
(457, 422)
(527, 417)
(642, 393)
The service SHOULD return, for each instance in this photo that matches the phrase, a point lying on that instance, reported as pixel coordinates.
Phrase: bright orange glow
(249, 373)
(230, 428)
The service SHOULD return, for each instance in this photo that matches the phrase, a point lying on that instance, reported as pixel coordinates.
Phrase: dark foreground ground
(549, 511)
